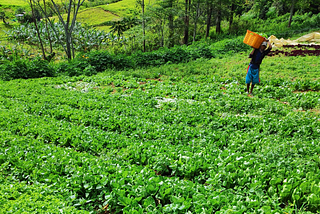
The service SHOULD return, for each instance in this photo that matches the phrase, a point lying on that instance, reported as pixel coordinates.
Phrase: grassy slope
(10, 6)
(121, 8)
(91, 16)
(100, 16)
(20, 3)
(109, 12)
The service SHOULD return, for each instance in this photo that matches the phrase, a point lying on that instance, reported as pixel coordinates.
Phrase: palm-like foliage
(118, 27)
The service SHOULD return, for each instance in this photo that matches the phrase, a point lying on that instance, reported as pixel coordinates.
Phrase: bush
(98, 61)
(230, 46)
(147, 59)
(24, 69)
(175, 55)
(73, 68)
(40, 68)
(103, 60)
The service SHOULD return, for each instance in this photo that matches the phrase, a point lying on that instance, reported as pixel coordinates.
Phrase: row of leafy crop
(18, 197)
(218, 176)
(181, 93)
(233, 177)
(188, 166)
(121, 115)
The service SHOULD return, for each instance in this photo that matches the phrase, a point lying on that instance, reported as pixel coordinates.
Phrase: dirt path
(109, 12)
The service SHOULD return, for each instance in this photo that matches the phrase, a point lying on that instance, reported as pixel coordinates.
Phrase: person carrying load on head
(253, 71)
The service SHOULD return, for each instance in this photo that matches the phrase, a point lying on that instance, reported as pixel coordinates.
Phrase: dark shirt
(257, 57)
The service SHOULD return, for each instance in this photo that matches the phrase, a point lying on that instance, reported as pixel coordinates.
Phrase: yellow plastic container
(253, 39)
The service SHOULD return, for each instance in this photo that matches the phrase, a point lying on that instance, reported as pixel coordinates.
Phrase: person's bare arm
(269, 44)
(251, 54)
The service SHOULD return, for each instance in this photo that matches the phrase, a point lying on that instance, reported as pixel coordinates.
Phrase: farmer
(253, 71)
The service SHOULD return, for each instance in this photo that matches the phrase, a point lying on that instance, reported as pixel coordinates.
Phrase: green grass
(235, 66)
(20, 3)
(100, 16)
(122, 8)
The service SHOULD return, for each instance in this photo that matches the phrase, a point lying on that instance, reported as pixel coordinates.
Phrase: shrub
(25, 69)
(72, 68)
(103, 60)
(40, 68)
(175, 55)
(147, 59)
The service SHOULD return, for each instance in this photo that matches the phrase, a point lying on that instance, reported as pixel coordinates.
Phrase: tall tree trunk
(47, 29)
(218, 19)
(37, 29)
(171, 27)
(186, 22)
(68, 32)
(196, 21)
(162, 32)
(291, 12)
(231, 16)
(143, 27)
(68, 27)
(209, 15)
(218, 23)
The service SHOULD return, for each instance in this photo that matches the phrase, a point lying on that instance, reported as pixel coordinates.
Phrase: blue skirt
(252, 75)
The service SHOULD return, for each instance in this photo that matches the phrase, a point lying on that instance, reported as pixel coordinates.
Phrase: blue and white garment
(252, 75)
(254, 66)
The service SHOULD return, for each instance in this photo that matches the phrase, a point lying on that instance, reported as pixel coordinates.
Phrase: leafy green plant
(173, 138)
(26, 69)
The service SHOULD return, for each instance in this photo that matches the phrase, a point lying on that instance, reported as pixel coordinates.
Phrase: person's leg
(248, 87)
(252, 86)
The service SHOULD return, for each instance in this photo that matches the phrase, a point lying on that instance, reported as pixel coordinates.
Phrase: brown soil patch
(297, 92)
(286, 103)
(316, 111)
(107, 11)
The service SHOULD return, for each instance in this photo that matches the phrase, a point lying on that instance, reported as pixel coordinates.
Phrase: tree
(143, 26)
(218, 11)
(3, 16)
(118, 27)
(37, 29)
(47, 28)
(209, 5)
(291, 12)
(197, 13)
(187, 7)
(168, 6)
(141, 4)
(261, 7)
(158, 20)
(71, 8)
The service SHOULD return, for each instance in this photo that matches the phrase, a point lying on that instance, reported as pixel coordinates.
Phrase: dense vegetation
(174, 139)
(165, 22)
(120, 130)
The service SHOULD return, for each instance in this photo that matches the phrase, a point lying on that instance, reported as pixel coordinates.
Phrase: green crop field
(179, 138)
(20, 3)
(122, 8)
(100, 16)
